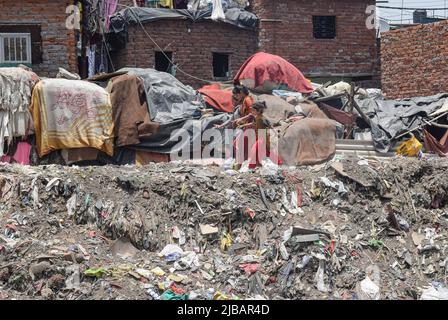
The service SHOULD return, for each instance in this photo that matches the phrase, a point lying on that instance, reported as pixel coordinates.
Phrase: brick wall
(192, 45)
(414, 61)
(58, 43)
(286, 29)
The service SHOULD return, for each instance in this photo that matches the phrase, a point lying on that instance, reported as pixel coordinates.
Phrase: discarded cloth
(308, 141)
(71, 114)
(130, 110)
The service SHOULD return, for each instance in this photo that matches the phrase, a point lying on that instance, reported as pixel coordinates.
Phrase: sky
(395, 16)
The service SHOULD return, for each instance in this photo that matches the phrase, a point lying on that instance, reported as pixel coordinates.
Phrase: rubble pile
(348, 229)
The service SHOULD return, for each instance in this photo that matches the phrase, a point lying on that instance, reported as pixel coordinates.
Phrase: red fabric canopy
(264, 66)
(217, 98)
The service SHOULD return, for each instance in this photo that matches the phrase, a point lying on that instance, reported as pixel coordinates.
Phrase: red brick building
(34, 33)
(193, 46)
(324, 39)
(414, 61)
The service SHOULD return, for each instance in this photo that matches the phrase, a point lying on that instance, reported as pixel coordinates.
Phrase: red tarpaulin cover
(217, 98)
(264, 66)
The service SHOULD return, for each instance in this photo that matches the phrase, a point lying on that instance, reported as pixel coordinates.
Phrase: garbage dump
(348, 229)
(106, 210)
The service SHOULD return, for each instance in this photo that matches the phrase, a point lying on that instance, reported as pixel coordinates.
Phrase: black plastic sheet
(390, 118)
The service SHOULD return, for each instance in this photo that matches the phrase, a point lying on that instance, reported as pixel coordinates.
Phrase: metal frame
(27, 36)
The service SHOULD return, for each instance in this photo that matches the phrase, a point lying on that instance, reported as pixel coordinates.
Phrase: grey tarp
(168, 99)
(390, 118)
(161, 142)
(234, 16)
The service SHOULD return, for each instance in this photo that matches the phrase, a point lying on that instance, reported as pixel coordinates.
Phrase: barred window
(15, 48)
(324, 27)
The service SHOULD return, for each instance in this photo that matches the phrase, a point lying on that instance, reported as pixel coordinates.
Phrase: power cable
(163, 52)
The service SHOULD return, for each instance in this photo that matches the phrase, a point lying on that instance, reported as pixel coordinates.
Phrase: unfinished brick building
(324, 39)
(414, 61)
(34, 33)
(206, 49)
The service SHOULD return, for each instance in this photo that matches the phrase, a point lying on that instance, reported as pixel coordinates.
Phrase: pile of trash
(348, 229)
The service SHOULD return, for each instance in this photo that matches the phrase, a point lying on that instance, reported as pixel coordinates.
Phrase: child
(261, 148)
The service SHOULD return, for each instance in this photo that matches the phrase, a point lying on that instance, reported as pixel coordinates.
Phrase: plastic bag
(410, 148)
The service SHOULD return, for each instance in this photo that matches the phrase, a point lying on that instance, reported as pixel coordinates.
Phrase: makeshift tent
(265, 72)
(168, 99)
(390, 118)
(71, 114)
(217, 97)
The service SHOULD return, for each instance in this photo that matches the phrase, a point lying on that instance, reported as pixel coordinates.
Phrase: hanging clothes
(180, 4)
(91, 59)
(166, 3)
(22, 155)
(110, 6)
(218, 12)
(16, 85)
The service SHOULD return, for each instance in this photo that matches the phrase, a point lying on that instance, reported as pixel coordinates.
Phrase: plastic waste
(170, 249)
(179, 235)
(283, 251)
(172, 257)
(226, 241)
(369, 288)
(268, 168)
(339, 185)
(435, 292)
(158, 272)
(319, 277)
(153, 294)
(170, 295)
(228, 164)
(96, 273)
(410, 148)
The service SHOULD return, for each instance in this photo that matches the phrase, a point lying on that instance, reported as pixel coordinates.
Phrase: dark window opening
(221, 65)
(163, 61)
(324, 27)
